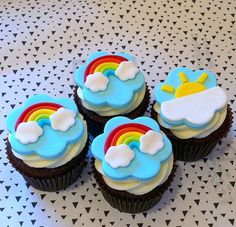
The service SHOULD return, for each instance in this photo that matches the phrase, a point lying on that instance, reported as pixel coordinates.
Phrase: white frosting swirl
(72, 151)
(138, 187)
(109, 111)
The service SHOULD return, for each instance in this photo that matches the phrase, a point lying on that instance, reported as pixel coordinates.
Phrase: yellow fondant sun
(186, 87)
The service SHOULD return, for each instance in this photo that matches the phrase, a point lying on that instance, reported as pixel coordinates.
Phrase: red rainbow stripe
(31, 109)
(120, 130)
(98, 61)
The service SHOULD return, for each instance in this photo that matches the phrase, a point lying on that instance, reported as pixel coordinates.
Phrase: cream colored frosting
(185, 132)
(108, 110)
(139, 187)
(72, 151)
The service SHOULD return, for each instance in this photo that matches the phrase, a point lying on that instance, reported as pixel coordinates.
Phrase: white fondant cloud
(151, 142)
(126, 70)
(119, 156)
(96, 82)
(28, 132)
(62, 119)
(196, 109)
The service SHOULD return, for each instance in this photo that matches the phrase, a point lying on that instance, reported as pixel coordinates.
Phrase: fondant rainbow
(39, 112)
(125, 134)
(105, 64)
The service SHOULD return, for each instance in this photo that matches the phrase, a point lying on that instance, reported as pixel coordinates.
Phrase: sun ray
(167, 88)
(202, 78)
(183, 77)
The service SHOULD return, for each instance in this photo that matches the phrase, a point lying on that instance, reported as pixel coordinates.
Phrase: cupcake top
(110, 84)
(46, 132)
(133, 155)
(190, 103)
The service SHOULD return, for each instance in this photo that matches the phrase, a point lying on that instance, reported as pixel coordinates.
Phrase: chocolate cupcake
(193, 112)
(47, 142)
(107, 86)
(133, 163)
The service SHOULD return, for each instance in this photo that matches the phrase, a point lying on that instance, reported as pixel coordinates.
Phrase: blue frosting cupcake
(110, 85)
(192, 110)
(133, 163)
(47, 142)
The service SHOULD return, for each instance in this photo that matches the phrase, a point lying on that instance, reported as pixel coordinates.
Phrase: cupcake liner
(96, 122)
(55, 183)
(130, 203)
(194, 149)
(53, 179)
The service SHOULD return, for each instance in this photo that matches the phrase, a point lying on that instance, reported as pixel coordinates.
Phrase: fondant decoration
(125, 134)
(126, 70)
(107, 65)
(28, 132)
(42, 114)
(197, 109)
(151, 142)
(182, 82)
(118, 93)
(52, 143)
(96, 82)
(71, 151)
(107, 111)
(124, 131)
(39, 112)
(186, 132)
(187, 87)
(167, 88)
(62, 119)
(119, 156)
(189, 98)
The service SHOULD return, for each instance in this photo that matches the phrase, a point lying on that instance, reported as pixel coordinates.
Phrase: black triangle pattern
(42, 43)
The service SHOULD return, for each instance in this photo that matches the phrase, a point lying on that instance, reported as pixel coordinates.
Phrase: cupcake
(107, 86)
(47, 142)
(133, 163)
(193, 112)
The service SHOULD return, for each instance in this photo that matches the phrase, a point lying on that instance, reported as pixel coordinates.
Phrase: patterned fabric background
(41, 44)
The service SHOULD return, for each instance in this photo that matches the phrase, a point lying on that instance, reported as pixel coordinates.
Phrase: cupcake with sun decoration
(47, 142)
(133, 163)
(192, 110)
(110, 85)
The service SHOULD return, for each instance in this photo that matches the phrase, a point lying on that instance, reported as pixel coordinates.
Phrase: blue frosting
(143, 166)
(173, 80)
(52, 143)
(112, 96)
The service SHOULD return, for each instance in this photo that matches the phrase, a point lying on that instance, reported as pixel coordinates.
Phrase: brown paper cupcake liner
(194, 149)
(130, 203)
(96, 122)
(49, 179)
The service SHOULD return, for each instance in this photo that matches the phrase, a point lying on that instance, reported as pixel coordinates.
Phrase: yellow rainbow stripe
(128, 137)
(39, 114)
(106, 66)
